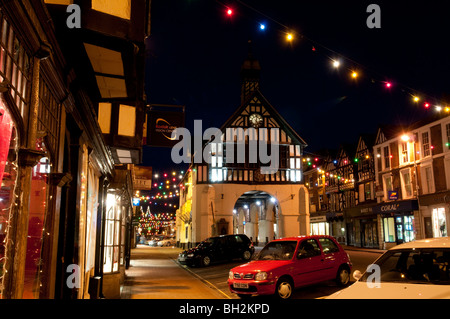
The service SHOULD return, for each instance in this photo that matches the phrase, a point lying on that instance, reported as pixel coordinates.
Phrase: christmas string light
(290, 35)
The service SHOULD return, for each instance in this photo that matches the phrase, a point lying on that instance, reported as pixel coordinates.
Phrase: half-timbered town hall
(236, 192)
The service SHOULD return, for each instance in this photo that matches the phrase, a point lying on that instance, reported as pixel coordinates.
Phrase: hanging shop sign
(161, 124)
(392, 195)
(136, 201)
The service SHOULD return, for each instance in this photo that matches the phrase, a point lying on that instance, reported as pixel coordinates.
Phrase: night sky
(195, 53)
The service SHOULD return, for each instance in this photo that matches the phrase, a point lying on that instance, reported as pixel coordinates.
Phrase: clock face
(256, 119)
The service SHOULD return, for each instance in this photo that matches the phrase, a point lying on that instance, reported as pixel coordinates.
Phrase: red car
(288, 263)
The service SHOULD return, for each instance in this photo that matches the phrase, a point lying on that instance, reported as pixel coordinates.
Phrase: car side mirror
(357, 274)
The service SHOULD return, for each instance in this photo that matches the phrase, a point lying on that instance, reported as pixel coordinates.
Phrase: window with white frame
(407, 190)
(425, 144)
(404, 152)
(447, 131)
(387, 157)
(387, 185)
(427, 180)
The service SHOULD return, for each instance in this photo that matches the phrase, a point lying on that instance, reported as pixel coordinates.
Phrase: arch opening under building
(257, 214)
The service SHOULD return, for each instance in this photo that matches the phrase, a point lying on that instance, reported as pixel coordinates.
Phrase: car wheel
(246, 255)
(343, 276)
(284, 288)
(206, 261)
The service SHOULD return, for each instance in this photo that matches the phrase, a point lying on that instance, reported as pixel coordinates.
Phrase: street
(154, 273)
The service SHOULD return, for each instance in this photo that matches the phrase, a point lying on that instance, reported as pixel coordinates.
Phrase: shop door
(369, 234)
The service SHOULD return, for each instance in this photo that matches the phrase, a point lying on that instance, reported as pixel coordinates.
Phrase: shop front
(436, 214)
(318, 224)
(337, 226)
(398, 221)
(362, 226)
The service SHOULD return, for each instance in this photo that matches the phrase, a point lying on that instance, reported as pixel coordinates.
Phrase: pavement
(154, 274)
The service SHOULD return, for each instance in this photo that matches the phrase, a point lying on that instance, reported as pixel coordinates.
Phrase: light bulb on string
(289, 37)
(427, 105)
(262, 26)
(229, 12)
(388, 85)
(336, 63)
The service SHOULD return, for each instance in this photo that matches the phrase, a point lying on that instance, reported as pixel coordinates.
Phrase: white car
(414, 270)
(166, 242)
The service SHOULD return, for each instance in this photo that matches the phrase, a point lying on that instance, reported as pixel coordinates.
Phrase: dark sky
(196, 52)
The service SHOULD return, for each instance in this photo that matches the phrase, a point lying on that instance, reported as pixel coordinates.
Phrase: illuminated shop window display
(8, 176)
(439, 222)
(113, 243)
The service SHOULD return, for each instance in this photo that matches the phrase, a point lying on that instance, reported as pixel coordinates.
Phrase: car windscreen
(278, 250)
(413, 266)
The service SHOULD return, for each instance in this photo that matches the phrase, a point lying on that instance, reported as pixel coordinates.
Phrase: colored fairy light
(262, 26)
(438, 108)
(388, 84)
(336, 63)
(354, 74)
(416, 99)
(289, 37)
(229, 12)
(426, 104)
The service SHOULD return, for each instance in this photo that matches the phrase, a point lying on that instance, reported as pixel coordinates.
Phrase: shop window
(389, 229)
(408, 223)
(8, 176)
(112, 234)
(38, 211)
(320, 228)
(439, 222)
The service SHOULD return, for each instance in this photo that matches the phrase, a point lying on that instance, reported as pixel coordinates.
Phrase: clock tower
(250, 74)
(233, 189)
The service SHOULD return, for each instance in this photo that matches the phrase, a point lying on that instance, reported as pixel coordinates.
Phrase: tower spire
(250, 74)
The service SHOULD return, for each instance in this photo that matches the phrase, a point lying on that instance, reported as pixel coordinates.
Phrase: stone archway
(257, 215)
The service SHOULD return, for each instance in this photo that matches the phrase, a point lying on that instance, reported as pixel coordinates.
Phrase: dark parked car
(220, 248)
